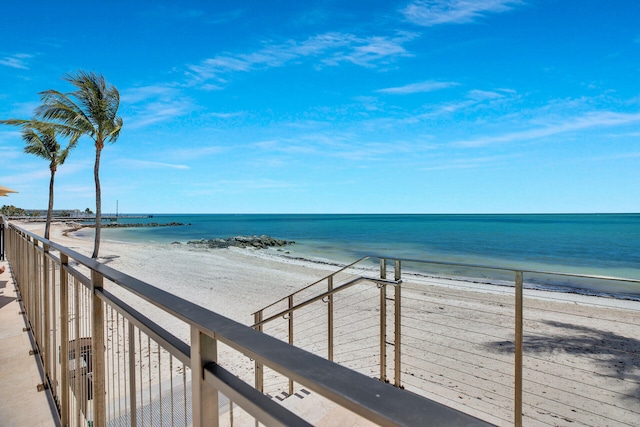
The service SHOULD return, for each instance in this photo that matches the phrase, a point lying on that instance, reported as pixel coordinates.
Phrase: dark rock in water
(258, 242)
(176, 243)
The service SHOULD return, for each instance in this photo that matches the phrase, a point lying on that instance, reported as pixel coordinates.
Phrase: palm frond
(15, 122)
(61, 108)
(99, 105)
(41, 140)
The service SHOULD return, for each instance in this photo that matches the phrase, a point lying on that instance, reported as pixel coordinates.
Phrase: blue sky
(414, 106)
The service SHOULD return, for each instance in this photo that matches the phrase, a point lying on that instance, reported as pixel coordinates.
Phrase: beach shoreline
(75, 236)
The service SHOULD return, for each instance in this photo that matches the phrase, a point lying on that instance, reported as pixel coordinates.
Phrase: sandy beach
(582, 354)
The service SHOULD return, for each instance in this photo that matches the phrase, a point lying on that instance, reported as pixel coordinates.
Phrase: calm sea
(598, 244)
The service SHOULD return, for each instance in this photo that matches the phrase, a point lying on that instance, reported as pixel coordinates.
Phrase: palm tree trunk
(47, 227)
(96, 170)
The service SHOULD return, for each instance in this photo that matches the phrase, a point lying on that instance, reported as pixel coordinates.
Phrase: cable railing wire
(477, 321)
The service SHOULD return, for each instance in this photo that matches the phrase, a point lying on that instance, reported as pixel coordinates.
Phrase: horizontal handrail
(262, 407)
(450, 264)
(326, 294)
(316, 282)
(510, 269)
(174, 345)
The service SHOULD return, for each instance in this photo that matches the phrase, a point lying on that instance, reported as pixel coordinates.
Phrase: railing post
(330, 320)
(55, 308)
(64, 340)
(37, 314)
(99, 369)
(397, 325)
(30, 271)
(259, 369)
(46, 345)
(290, 336)
(518, 351)
(383, 268)
(1, 238)
(204, 396)
(25, 272)
(34, 316)
(79, 397)
(132, 375)
(383, 332)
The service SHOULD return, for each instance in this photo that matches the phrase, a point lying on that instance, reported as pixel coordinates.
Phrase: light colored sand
(582, 354)
(231, 282)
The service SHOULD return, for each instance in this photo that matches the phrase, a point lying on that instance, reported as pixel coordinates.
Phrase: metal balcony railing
(507, 353)
(114, 353)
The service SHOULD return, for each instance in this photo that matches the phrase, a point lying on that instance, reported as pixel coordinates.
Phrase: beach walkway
(21, 404)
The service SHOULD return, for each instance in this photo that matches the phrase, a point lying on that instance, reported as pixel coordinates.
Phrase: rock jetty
(257, 242)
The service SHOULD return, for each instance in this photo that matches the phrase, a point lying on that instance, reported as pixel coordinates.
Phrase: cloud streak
(470, 163)
(587, 121)
(241, 186)
(152, 165)
(435, 12)
(18, 61)
(148, 105)
(428, 86)
(331, 49)
(196, 153)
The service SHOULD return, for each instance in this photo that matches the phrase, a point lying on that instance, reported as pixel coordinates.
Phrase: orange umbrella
(4, 191)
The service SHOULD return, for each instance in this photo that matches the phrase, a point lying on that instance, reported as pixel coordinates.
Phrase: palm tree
(94, 114)
(41, 141)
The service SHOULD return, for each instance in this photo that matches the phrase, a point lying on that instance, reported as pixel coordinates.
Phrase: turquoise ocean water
(598, 244)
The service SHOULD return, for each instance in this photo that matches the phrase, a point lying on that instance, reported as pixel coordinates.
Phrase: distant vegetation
(12, 211)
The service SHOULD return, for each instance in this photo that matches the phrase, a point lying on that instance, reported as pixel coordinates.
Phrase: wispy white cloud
(143, 93)
(369, 103)
(543, 130)
(12, 135)
(331, 48)
(338, 145)
(473, 101)
(371, 51)
(428, 86)
(146, 105)
(226, 115)
(618, 156)
(158, 112)
(150, 164)
(483, 95)
(23, 110)
(470, 162)
(433, 12)
(18, 61)
(32, 173)
(240, 186)
(196, 153)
